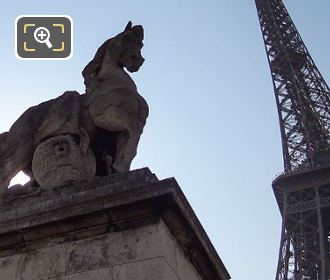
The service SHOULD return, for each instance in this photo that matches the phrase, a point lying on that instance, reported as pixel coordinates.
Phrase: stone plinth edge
(109, 204)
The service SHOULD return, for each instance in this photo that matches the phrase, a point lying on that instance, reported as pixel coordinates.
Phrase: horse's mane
(92, 69)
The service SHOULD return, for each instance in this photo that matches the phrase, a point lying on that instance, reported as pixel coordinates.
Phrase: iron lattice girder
(302, 95)
(304, 201)
(303, 104)
(300, 256)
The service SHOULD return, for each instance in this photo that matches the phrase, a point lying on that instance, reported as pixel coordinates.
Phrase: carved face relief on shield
(59, 161)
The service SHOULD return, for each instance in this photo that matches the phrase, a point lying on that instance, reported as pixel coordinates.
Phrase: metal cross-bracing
(302, 95)
(305, 242)
(303, 104)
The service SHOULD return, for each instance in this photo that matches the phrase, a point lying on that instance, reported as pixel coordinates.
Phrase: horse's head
(130, 43)
(123, 50)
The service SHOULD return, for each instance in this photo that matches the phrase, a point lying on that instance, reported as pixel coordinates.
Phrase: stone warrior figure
(74, 137)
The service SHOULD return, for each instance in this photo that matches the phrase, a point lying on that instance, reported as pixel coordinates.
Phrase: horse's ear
(138, 33)
(128, 26)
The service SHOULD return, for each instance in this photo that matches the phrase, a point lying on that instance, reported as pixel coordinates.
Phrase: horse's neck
(115, 77)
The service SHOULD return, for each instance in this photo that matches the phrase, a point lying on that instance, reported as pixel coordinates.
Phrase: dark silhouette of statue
(99, 129)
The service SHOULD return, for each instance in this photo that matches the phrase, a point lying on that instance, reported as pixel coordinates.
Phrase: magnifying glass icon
(42, 35)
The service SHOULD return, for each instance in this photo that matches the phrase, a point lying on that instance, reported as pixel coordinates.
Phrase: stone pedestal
(131, 227)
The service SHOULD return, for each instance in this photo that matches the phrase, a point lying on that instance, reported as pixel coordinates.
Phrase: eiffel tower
(303, 190)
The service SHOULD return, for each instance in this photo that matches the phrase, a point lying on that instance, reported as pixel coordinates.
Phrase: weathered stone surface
(100, 274)
(120, 247)
(9, 267)
(184, 268)
(148, 252)
(35, 264)
(43, 263)
(150, 269)
(60, 160)
(88, 255)
(72, 200)
(128, 225)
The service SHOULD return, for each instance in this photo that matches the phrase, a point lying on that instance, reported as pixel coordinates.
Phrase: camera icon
(44, 37)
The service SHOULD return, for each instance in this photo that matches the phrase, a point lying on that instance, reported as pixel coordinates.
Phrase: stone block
(9, 267)
(100, 274)
(87, 255)
(185, 270)
(43, 263)
(151, 269)
(119, 247)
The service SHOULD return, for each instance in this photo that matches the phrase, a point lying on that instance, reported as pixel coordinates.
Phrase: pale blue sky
(213, 123)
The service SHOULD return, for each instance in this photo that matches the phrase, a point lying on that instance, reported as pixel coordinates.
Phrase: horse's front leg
(126, 150)
(115, 119)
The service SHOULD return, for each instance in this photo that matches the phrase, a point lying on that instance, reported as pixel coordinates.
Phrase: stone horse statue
(107, 120)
